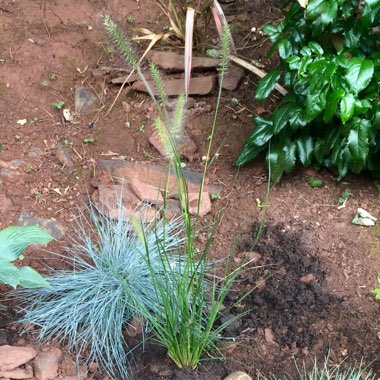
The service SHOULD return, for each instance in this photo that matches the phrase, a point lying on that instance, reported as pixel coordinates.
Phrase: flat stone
(64, 157)
(117, 201)
(85, 100)
(269, 336)
(239, 375)
(186, 146)
(18, 373)
(120, 80)
(35, 152)
(118, 172)
(46, 364)
(308, 278)
(173, 62)
(12, 357)
(5, 205)
(54, 228)
(204, 206)
(146, 192)
(174, 87)
(233, 78)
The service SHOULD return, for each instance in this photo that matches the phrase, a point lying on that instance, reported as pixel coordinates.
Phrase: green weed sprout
(91, 304)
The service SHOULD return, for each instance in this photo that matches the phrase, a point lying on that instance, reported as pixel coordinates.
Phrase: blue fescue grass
(90, 305)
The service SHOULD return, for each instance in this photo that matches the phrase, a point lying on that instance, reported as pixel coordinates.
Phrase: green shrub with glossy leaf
(13, 242)
(331, 66)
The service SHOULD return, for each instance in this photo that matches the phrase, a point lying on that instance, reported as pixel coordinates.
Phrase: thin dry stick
(257, 71)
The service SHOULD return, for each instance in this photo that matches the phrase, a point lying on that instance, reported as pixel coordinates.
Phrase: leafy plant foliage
(332, 115)
(13, 241)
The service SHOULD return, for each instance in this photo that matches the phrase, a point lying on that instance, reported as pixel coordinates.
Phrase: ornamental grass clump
(339, 371)
(91, 304)
(186, 321)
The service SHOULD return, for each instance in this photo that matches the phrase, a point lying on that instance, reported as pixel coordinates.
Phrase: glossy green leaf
(305, 147)
(347, 107)
(332, 103)
(29, 278)
(359, 74)
(290, 158)
(276, 162)
(284, 48)
(273, 31)
(256, 141)
(267, 84)
(358, 146)
(9, 274)
(315, 104)
(14, 240)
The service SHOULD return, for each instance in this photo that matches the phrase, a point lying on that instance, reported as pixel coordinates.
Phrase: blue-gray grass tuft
(90, 305)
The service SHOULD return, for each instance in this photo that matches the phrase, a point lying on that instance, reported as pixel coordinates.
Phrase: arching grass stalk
(223, 67)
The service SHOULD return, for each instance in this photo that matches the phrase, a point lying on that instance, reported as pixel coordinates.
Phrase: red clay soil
(314, 272)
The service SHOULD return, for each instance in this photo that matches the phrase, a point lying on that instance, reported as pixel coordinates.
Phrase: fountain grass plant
(186, 322)
(126, 268)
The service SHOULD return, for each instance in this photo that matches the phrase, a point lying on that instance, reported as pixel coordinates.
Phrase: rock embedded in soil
(233, 78)
(204, 206)
(46, 364)
(145, 192)
(176, 63)
(128, 78)
(54, 228)
(186, 146)
(64, 157)
(12, 357)
(18, 373)
(239, 375)
(174, 87)
(85, 100)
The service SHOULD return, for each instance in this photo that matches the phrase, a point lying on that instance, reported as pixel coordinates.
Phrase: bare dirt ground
(316, 270)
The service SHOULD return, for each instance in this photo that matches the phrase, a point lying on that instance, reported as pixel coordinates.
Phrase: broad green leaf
(293, 62)
(256, 141)
(333, 99)
(347, 107)
(325, 144)
(276, 162)
(312, 9)
(9, 274)
(297, 118)
(315, 47)
(267, 84)
(281, 117)
(273, 31)
(315, 104)
(29, 278)
(290, 149)
(321, 74)
(284, 48)
(357, 143)
(14, 240)
(305, 147)
(359, 74)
